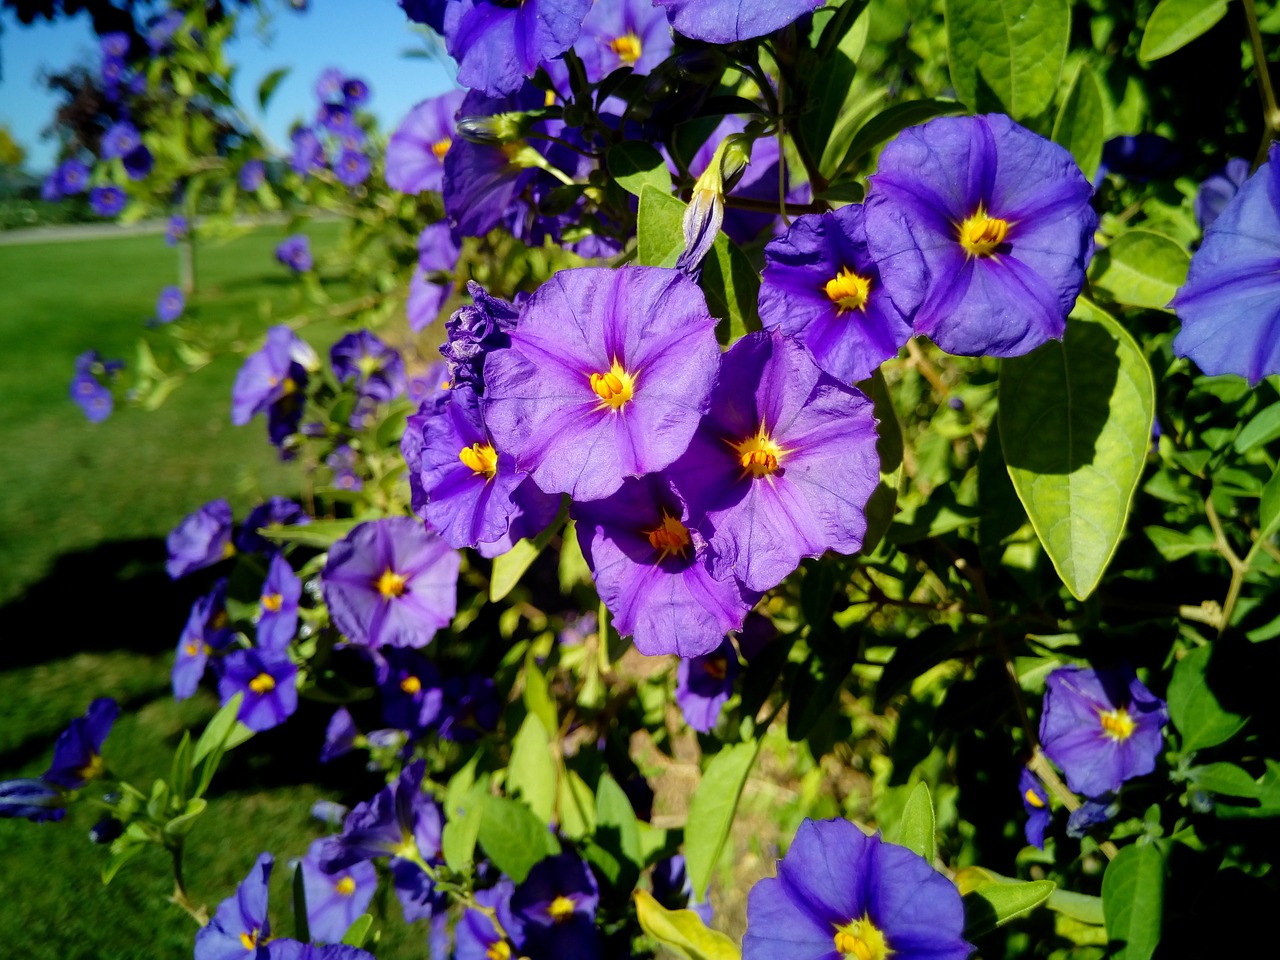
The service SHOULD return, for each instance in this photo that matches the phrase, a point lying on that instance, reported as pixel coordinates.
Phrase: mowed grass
(86, 609)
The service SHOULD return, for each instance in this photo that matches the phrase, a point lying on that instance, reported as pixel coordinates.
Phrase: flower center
(1117, 724)
(561, 909)
(848, 291)
(391, 584)
(671, 537)
(411, 685)
(249, 939)
(271, 602)
(627, 47)
(981, 234)
(1033, 799)
(498, 951)
(92, 769)
(441, 147)
(615, 387)
(862, 939)
(716, 667)
(481, 458)
(759, 455)
(262, 683)
(345, 887)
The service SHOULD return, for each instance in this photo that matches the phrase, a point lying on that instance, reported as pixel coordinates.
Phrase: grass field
(86, 609)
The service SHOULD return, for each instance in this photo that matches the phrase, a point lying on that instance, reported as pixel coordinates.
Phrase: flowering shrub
(805, 418)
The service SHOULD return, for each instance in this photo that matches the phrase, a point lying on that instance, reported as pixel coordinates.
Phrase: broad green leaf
(836, 104)
(1081, 122)
(1194, 708)
(617, 829)
(712, 810)
(511, 566)
(1075, 424)
(577, 806)
(659, 233)
(358, 932)
(1133, 901)
(537, 695)
(513, 837)
(682, 931)
(1141, 269)
(1269, 508)
(916, 827)
(1175, 23)
(1268, 798)
(891, 121)
(532, 771)
(218, 729)
(1176, 544)
(1007, 54)
(1226, 779)
(1263, 428)
(458, 839)
(991, 900)
(634, 164)
(318, 533)
(267, 88)
(1079, 906)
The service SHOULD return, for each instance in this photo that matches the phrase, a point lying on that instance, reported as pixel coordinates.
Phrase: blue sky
(364, 38)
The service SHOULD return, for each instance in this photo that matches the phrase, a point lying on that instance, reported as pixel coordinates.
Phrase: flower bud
(497, 129)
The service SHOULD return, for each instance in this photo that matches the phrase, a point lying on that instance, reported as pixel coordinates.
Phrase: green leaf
(1226, 779)
(835, 104)
(712, 809)
(1268, 798)
(991, 900)
(268, 87)
(1007, 54)
(321, 534)
(1075, 423)
(577, 807)
(358, 932)
(1194, 709)
(1141, 269)
(1081, 122)
(1262, 429)
(1175, 23)
(916, 827)
(682, 931)
(511, 566)
(635, 164)
(458, 839)
(1078, 906)
(888, 123)
(301, 929)
(1133, 901)
(617, 829)
(532, 771)
(1269, 508)
(122, 851)
(183, 823)
(180, 770)
(217, 729)
(513, 837)
(659, 230)
(537, 696)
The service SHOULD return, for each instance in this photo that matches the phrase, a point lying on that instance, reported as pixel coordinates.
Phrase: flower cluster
(336, 141)
(87, 389)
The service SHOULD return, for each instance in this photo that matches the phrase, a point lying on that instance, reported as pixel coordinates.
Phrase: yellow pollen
(1033, 799)
(481, 458)
(411, 685)
(980, 234)
(862, 939)
(191, 649)
(848, 291)
(550, 99)
(272, 602)
(249, 939)
(288, 387)
(228, 550)
(498, 951)
(627, 47)
(262, 683)
(561, 909)
(441, 147)
(670, 537)
(345, 887)
(218, 620)
(1117, 724)
(390, 584)
(91, 770)
(716, 667)
(615, 387)
(759, 455)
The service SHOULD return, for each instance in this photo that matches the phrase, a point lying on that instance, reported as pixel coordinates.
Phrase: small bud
(497, 129)
(735, 155)
(106, 830)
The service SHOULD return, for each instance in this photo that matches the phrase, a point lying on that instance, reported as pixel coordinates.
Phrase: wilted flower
(475, 331)
(200, 539)
(170, 304)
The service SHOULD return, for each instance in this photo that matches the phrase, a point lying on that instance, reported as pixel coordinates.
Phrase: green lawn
(86, 609)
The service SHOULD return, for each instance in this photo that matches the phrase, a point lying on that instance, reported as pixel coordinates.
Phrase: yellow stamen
(481, 458)
(262, 683)
(498, 951)
(561, 909)
(1033, 799)
(627, 47)
(345, 887)
(550, 99)
(981, 234)
(759, 455)
(716, 667)
(411, 685)
(671, 537)
(91, 770)
(1117, 724)
(391, 584)
(615, 387)
(848, 291)
(191, 649)
(862, 939)
(441, 147)
(288, 387)
(228, 550)
(272, 602)
(249, 940)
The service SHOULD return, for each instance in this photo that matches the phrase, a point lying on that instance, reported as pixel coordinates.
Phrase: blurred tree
(12, 153)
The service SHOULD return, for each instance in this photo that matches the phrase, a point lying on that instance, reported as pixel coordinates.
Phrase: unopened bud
(497, 129)
(735, 155)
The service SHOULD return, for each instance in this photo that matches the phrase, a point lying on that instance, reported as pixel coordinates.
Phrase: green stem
(1270, 110)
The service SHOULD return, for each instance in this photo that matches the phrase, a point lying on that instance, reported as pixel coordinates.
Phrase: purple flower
(277, 511)
(106, 201)
(307, 154)
(162, 31)
(252, 175)
(471, 707)
(782, 465)
(473, 332)
(77, 756)
(704, 685)
(371, 366)
(982, 231)
(177, 230)
(272, 381)
(623, 33)
(339, 736)
(338, 120)
(278, 606)
(92, 397)
(355, 92)
(559, 892)
(429, 384)
(335, 900)
(32, 798)
(169, 304)
(426, 297)
(240, 929)
(138, 163)
(497, 46)
(390, 582)
(616, 392)
(476, 936)
(1101, 727)
(1218, 189)
(114, 44)
(650, 569)
(1230, 305)
(1035, 801)
(352, 168)
(120, 139)
(1139, 158)
(343, 464)
(328, 87)
(72, 177)
(438, 252)
(410, 687)
(466, 490)
(50, 189)
(728, 21)
(269, 684)
(206, 631)
(416, 151)
(840, 893)
(295, 253)
(1090, 814)
(200, 539)
(822, 287)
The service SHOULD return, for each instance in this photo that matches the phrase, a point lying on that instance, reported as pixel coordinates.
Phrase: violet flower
(32, 798)
(120, 139)
(476, 937)
(177, 230)
(92, 397)
(340, 735)
(1101, 727)
(498, 45)
(475, 331)
(335, 899)
(200, 539)
(268, 681)
(417, 149)
(240, 928)
(616, 392)
(704, 685)
(77, 754)
(1035, 801)
(276, 511)
(206, 630)
(390, 582)
(271, 381)
(410, 688)
(728, 21)
(307, 153)
(841, 893)
(72, 177)
(252, 175)
(295, 253)
(106, 201)
(352, 168)
(278, 606)
(556, 904)
(623, 33)
(982, 231)
(1218, 189)
(471, 708)
(170, 304)
(138, 163)
(373, 367)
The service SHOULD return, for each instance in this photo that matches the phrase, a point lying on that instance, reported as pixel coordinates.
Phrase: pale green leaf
(991, 900)
(1141, 269)
(712, 810)
(513, 837)
(682, 931)
(321, 534)
(635, 164)
(916, 827)
(531, 774)
(1007, 54)
(1175, 23)
(1081, 122)
(1133, 901)
(1194, 708)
